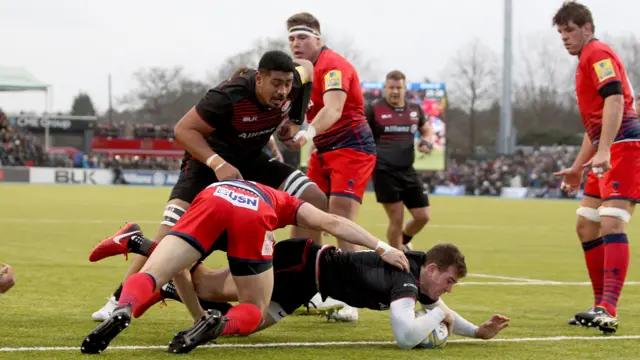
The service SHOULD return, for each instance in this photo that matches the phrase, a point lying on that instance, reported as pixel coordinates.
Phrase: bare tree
(628, 48)
(472, 78)
(162, 95)
(250, 57)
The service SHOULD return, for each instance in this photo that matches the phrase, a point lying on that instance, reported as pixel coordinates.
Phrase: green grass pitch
(524, 260)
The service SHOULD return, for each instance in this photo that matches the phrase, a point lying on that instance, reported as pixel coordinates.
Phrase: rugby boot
(208, 328)
(599, 318)
(98, 340)
(574, 322)
(118, 244)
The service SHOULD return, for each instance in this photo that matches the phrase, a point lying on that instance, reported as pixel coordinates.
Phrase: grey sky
(74, 44)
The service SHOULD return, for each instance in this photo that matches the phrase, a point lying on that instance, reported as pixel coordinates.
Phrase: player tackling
(224, 136)
(361, 279)
(394, 123)
(237, 217)
(611, 148)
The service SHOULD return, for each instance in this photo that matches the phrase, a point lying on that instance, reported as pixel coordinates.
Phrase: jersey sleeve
(404, 286)
(603, 68)
(337, 78)
(287, 208)
(215, 108)
(370, 115)
(302, 97)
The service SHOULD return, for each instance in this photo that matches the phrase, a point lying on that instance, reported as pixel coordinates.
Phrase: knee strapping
(588, 213)
(296, 183)
(172, 213)
(621, 214)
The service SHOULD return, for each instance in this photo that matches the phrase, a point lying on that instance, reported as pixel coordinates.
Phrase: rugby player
(301, 268)
(237, 217)
(7, 279)
(394, 123)
(345, 151)
(224, 135)
(610, 148)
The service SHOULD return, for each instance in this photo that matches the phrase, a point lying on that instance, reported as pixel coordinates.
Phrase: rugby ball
(437, 338)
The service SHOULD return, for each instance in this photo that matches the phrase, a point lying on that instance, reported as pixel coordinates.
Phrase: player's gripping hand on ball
(492, 327)
(7, 280)
(572, 178)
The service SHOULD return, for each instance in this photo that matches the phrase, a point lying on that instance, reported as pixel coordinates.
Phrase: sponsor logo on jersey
(604, 69)
(413, 115)
(410, 285)
(333, 80)
(238, 199)
(250, 135)
(249, 118)
(398, 128)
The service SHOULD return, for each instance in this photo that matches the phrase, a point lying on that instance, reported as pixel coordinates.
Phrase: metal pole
(505, 141)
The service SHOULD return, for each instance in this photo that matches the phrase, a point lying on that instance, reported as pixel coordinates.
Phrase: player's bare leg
(588, 230)
(395, 214)
(174, 209)
(614, 216)
(419, 218)
(347, 208)
(214, 285)
(171, 256)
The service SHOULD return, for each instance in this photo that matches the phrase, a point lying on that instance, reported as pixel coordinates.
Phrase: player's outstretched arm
(463, 327)
(311, 217)
(409, 330)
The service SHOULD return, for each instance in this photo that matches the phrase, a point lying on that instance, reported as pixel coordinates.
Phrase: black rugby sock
(118, 292)
(406, 239)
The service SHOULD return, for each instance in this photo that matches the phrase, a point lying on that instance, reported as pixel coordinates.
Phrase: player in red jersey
(344, 159)
(611, 147)
(238, 217)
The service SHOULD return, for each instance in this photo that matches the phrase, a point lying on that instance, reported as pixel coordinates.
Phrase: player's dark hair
(396, 75)
(303, 19)
(445, 256)
(576, 12)
(276, 60)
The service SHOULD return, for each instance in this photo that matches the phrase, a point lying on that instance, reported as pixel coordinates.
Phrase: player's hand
(226, 171)
(7, 280)
(278, 157)
(572, 178)
(449, 319)
(396, 258)
(600, 163)
(425, 146)
(492, 327)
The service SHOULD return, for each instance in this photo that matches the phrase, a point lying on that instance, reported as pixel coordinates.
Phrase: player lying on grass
(236, 217)
(361, 279)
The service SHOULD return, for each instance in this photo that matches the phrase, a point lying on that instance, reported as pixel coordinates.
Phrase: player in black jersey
(360, 279)
(394, 123)
(224, 135)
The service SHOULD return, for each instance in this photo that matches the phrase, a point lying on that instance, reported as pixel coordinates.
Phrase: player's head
(444, 265)
(274, 78)
(304, 36)
(575, 25)
(395, 87)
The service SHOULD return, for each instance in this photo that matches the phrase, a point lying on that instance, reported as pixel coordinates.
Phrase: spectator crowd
(528, 167)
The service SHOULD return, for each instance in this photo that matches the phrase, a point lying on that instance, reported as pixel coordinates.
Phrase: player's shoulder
(241, 85)
(330, 59)
(378, 103)
(411, 106)
(596, 49)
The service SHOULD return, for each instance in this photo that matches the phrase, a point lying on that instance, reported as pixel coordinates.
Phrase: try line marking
(321, 344)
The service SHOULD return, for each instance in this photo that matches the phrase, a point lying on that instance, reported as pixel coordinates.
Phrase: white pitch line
(505, 278)
(321, 344)
(527, 283)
